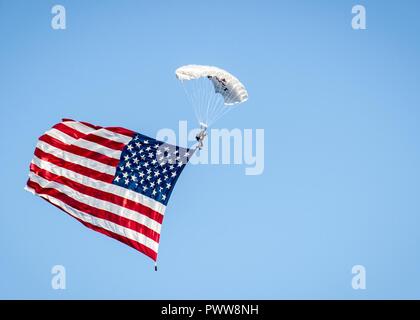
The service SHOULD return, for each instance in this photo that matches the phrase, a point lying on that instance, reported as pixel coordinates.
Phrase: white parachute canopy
(212, 91)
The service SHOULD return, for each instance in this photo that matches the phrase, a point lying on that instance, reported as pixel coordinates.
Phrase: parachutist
(201, 135)
(200, 138)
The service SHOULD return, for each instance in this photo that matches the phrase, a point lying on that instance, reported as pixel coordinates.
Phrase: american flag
(113, 180)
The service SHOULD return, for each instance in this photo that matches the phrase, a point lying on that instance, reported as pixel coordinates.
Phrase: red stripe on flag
(96, 212)
(122, 131)
(134, 244)
(90, 125)
(74, 167)
(90, 137)
(104, 142)
(99, 194)
(79, 151)
(69, 131)
(119, 130)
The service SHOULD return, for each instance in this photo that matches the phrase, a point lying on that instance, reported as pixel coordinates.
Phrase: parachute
(212, 91)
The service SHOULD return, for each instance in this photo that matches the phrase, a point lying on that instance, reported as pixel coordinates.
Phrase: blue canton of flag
(151, 167)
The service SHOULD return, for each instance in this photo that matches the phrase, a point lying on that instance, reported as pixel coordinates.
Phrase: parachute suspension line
(197, 97)
(218, 109)
(188, 96)
(203, 99)
(229, 107)
(196, 94)
(205, 91)
(216, 104)
(211, 104)
(191, 96)
(209, 99)
(215, 109)
(222, 114)
(225, 109)
(208, 105)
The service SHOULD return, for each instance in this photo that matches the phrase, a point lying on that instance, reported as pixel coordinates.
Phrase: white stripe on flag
(100, 185)
(104, 133)
(97, 203)
(98, 132)
(104, 224)
(78, 126)
(71, 157)
(92, 146)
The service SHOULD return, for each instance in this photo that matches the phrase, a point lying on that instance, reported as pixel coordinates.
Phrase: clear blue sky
(340, 109)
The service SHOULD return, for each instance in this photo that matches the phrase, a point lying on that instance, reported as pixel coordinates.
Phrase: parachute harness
(201, 135)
